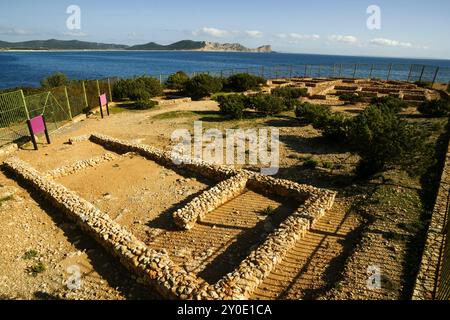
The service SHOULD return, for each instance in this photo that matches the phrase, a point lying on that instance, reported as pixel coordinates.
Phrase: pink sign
(37, 124)
(103, 100)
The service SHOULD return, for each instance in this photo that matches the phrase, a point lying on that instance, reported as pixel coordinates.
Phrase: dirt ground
(141, 195)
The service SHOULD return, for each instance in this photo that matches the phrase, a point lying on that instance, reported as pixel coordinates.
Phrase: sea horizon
(26, 68)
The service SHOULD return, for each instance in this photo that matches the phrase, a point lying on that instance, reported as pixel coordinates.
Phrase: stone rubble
(80, 165)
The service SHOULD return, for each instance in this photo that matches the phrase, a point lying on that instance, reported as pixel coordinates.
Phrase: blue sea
(29, 68)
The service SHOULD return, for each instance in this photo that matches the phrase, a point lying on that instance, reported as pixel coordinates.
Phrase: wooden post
(306, 70)
(340, 71)
(110, 91)
(25, 105)
(354, 71)
(85, 94)
(68, 103)
(371, 71)
(98, 88)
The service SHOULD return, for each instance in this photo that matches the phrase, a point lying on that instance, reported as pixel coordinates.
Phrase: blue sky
(408, 28)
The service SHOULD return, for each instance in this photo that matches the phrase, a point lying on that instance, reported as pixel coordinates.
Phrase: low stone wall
(154, 268)
(210, 200)
(80, 165)
(8, 149)
(427, 277)
(166, 159)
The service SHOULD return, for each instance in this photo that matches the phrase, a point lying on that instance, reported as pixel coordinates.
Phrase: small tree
(266, 104)
(243, 82)
(55, 80)
(203, 85)
(382, 139)
(177, 81)
(393, 103)
(435, 108)
(232, 105)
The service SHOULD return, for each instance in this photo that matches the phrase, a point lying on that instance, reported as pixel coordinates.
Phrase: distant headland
(184, 45)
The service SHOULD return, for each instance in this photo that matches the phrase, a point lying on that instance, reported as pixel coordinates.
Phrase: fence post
(340, 71)
(319, 71)
(435, 77)
(110, 92)
(98, 88)
(68, 103)
(421, 74)
(389, 72)
(306, 70)
(85, 94)
(290, 72)
(354, 71)
(371, 71)
(410, 73)
(25, 104)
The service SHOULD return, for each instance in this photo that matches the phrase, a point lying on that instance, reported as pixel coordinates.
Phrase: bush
(393, 103)
(144, 104)
(423, 84)
(350, 98)
(149, 84)
(266, 104)
(290, 92)
(55, 80)
(381, 139)
(313, 114)
(139, 94)
(243, 82)
(142, 88)
(232, 105)
(310, 164)
(203, 85)
(336, 127)
(177, 81)
(435, 108)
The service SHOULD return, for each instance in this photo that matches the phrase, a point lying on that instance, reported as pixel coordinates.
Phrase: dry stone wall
(155, 268)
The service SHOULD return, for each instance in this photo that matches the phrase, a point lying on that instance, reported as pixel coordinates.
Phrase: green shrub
(382, 139)
(393, 103)
(266, 104)
(335, 127)
(350, 98)
(142, 88)
(177, 81)
(290, 92)
(144, 104)
(243, 82)
(435, 108)
(55, 80)
(149, 84)
(139, 94)
(203, 85)
(311, 164)
(313, 114)
(232, 105)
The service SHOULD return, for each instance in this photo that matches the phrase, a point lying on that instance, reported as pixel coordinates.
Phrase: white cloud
(253, 33)
(73, 34)
(14, 31)
(213, 32)
(390, 43)
(296, 37)
(343, 39)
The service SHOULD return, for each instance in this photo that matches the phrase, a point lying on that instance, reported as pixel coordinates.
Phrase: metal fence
(61, 104)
